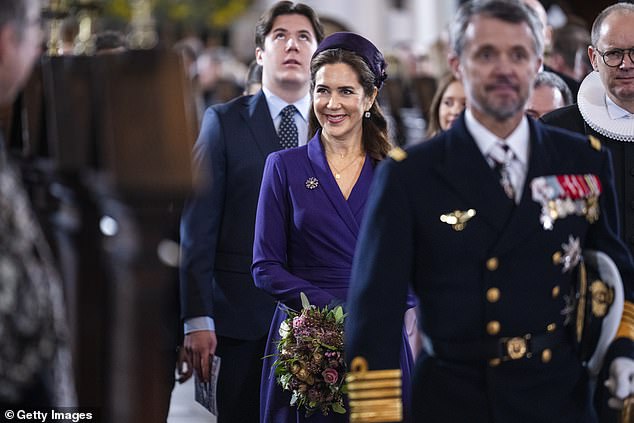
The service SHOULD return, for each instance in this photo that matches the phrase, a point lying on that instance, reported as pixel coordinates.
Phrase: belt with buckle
(505, 348)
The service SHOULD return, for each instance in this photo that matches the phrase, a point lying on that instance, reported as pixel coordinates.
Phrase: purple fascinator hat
(360, 46)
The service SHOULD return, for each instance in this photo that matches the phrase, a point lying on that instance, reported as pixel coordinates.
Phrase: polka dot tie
(288, 130)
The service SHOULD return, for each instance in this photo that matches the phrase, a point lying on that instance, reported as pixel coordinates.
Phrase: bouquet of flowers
(310, 360)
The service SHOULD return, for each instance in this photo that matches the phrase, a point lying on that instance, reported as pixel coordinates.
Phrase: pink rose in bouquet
(330, 376)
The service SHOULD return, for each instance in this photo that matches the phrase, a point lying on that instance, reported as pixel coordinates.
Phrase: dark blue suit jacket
(403, 241)
(218, 221)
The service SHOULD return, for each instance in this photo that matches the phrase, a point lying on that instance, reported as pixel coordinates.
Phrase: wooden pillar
(113, 159)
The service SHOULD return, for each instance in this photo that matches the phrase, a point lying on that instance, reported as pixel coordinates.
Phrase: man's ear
(454, 65)
(258, 55)
(540, 62)
(593, 58)
(370, 99)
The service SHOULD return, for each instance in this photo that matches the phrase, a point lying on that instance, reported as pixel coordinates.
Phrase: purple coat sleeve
(272, 228)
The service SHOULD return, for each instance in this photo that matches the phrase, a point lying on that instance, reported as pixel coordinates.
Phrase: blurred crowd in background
(219, 73)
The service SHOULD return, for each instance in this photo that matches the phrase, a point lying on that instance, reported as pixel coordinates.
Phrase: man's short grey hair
(550, 79)
(598, 21)
(511, 11)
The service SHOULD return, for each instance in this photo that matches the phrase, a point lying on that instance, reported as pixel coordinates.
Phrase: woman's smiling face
(339, 101)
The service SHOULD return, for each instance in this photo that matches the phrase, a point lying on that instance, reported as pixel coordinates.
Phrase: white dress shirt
(276, 105)
(615, 111)
(518, 142)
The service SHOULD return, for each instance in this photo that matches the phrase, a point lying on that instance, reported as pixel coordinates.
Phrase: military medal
(572, 254)
(566, 195)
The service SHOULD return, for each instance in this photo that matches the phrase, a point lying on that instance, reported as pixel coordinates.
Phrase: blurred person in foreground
(447, 104)
(35, 364)
(467, 220)
(550, 92)
(224, 313)
(313, 200)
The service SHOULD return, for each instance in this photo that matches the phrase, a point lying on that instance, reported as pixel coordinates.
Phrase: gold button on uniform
(547, 355)
(551, 327)
(557, 257)
(493, 295)
(492, 263)
(556, 291)
(493, 327)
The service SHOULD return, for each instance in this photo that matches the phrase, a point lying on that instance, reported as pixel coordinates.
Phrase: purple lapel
(349, 211)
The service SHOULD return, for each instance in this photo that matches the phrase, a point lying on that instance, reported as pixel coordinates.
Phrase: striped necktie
(503, 159)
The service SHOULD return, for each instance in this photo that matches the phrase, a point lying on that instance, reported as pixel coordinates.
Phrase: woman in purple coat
(313, 198)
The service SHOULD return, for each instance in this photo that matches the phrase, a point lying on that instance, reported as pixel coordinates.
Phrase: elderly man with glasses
(605, 109)
(605, 106)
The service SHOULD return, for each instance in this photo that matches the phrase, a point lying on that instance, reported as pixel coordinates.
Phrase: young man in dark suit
(224, 313)
(487, 223)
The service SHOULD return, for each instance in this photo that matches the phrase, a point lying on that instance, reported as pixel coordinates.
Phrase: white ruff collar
(591, 102)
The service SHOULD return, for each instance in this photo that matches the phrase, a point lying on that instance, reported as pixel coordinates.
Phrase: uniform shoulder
(414, 155)
(594, 142)
(429, 148)
(397, 154)
(566, 140)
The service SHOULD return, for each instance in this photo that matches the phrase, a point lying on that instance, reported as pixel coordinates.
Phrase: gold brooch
(458, 219)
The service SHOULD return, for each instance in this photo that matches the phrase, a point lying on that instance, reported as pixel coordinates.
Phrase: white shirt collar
(518, 140)
(276, 104)
(615, 111)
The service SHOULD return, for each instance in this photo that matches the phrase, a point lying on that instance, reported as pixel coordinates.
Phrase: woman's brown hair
(433, 126)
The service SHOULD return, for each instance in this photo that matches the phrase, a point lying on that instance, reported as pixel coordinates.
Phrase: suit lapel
(320, 166)
(525, 220)
(471, 177)
(257, 117)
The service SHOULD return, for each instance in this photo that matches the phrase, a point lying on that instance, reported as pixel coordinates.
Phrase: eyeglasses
(614, 58)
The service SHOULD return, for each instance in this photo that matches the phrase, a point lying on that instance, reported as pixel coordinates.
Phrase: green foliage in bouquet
(310, 361)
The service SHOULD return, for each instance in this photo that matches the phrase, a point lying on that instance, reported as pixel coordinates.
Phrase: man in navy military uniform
(486, 223)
